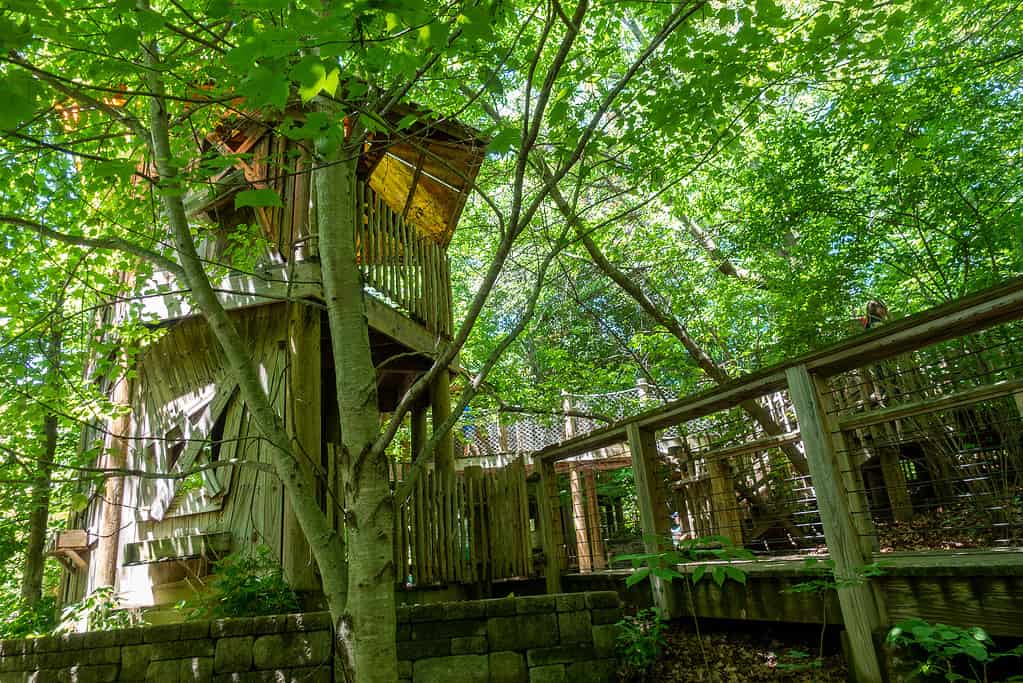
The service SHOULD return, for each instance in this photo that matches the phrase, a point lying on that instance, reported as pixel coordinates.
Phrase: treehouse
(154, 539)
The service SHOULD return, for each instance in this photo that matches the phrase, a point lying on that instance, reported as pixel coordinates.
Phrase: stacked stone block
(564, 638)
(543, 639)
(282, 649)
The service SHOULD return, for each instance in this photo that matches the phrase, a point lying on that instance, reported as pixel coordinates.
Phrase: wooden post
(593, 520)
(304, 418)
(418, 427)
(727, 520)
(440, 400)
(115, 457)
(548, 504)
(582, 539)
(653, 511)
(860, 611)
(895, 484)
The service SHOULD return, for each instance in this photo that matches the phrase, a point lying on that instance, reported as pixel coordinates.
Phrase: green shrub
(28, 621)
(245, 585)
(100, 611)
(951, 653)
(640, 642)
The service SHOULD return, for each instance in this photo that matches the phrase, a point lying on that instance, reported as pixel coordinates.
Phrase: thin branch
(105, 243)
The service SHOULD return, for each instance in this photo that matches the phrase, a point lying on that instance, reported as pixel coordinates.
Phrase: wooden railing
(943, 385)
(407, 269)
(467, 527)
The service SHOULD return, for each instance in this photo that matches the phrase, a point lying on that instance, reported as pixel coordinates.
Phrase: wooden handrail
(971, 314)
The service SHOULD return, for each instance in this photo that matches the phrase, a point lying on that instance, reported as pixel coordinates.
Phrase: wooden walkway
(961, 588)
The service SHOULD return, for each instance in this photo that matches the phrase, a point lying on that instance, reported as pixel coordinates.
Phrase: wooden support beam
(211, 546)
(418, 427)
(582, 539)
(593, 520)
(860, 611)
(305, 429)
(727, 521)
(548, 503)
(653, 510)
(440, 409)
(752, 447)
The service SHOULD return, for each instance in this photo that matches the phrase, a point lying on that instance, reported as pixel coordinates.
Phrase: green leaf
(14, 36)
(637, 576)
(505, 141)
(262, 197)
(736, 574)
(698, 572)
(718, 574)
(218, 8)
(265, 86)
(406, 121)
(123, 38)
(19, 99)
(149, 21)
(79, 502)
(314, 77)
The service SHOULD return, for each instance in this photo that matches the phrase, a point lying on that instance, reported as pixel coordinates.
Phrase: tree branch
(105, 243)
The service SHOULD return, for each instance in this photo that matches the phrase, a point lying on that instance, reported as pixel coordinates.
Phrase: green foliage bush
(950, 653)
(640, 642)
(245, 585)
(99, 611)
(27, 621)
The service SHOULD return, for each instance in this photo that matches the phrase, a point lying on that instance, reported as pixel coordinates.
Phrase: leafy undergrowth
(952, 527)
(735, 655)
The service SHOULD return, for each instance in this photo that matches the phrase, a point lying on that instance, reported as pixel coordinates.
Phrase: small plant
(825, 581)
(98, 611)
(640, 642)
(246, 585)
(662, 565)
(947, 652)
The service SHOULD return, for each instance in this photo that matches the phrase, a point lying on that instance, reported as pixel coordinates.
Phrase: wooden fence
(406, 268)
(467, 527)
(973, 386)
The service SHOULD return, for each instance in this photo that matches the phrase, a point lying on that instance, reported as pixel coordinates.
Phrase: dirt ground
(723, 654)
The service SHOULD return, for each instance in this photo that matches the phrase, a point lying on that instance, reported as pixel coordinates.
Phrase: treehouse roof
(423, 172)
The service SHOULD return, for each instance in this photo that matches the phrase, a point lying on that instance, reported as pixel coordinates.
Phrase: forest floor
(953, 527)
(729, 653)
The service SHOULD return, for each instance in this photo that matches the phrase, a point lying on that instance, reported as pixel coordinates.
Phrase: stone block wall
(565, 638)
(283, 649)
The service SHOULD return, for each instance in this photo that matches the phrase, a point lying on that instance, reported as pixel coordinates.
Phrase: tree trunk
(327, 546)
(116, 455)
(32, 575)
(369, 514)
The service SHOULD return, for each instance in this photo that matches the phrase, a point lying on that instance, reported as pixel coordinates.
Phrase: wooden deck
(962, 588)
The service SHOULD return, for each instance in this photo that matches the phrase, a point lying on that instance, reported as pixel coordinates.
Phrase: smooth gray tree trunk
(367, 630)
